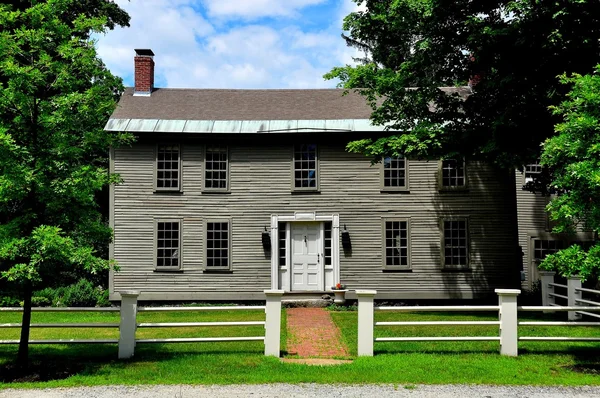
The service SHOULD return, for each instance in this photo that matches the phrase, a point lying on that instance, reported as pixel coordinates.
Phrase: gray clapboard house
(227, 193)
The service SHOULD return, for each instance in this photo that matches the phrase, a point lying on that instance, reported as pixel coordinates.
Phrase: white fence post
(547, 277)
(128, 323)
(507, 300)
(366, 318)
(573, 283)
(273, 322)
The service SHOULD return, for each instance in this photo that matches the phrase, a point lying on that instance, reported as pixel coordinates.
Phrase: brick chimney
(144, 72)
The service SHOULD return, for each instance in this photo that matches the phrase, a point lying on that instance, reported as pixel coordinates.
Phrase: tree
(573, 156)
(512, 50)
(55, 97)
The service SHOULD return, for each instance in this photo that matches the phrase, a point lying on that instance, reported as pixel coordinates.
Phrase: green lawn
(243, 362)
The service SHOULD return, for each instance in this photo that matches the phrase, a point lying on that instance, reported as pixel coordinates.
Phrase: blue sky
(232, 43)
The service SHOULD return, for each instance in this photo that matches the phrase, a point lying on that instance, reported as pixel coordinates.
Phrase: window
(305, 167)
(394, 176)
(282, 242)
(532, 172)
(453, 173)
(455, 244)
(216, 168)
(168, 168)
(217, 245)
(396, 247)
(168, 244)
(327, 242)
(543, 247)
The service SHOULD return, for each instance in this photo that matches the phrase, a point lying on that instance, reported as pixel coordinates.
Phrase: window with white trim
(281, 231)
(168, 244)
(305, 167)
(543, 247)
(394, 176)
(216, 173)
(396, 243)
(453, 173)
(217, 245)
(168, 168)
(532, 172)
(327, 228)
(455, 243)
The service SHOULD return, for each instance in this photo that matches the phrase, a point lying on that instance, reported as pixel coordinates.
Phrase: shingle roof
(221, 104)
(213, 104)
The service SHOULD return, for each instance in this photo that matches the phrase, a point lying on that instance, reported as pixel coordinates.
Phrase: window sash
(168, 244)
(216, 168)
(544, 247)
(217, 245)
(453, 173)
(305, 167)
(168, 167)
(394, 173)
(456, 243)
(396, 243)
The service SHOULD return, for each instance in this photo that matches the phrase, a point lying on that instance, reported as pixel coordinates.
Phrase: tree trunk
(23, 355)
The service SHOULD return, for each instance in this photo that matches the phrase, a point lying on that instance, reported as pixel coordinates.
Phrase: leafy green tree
(55, 97)
(573, 157)
(513, 51)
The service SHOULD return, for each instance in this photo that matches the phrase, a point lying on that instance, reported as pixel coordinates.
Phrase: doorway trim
(298, 217)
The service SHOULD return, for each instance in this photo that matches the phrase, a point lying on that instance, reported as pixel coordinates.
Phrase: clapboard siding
(260, 186)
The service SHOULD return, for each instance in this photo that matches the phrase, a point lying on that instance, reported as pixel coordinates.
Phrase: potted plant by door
(339, 290)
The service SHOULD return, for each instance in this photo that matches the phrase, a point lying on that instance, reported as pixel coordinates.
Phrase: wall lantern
(346, 242)
(266, 240)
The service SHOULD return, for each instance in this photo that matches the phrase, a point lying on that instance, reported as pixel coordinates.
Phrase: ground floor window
(455, 243)
(168, 244)
(396, 247)
(217, 245)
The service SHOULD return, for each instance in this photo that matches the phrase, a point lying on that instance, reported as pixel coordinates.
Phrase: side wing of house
(536, 239)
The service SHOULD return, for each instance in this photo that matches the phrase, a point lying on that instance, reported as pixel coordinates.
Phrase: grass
(540, 363)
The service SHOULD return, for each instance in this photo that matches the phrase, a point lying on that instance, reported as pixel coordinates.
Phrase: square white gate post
(128, 323)
(546, 278)
(573, 283)
(273, 322)
(509, 336)
(366, 318)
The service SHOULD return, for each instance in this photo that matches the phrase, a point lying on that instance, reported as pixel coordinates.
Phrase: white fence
(508, 323)
(128, 324)
(572, 293)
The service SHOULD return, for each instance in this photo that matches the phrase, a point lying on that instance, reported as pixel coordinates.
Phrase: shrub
(7, 301)
(81, 294)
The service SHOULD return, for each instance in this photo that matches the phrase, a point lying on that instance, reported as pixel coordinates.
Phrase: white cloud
(251, 9)
(193, 51)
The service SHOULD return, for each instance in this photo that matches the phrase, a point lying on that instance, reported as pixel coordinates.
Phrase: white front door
(307, 261)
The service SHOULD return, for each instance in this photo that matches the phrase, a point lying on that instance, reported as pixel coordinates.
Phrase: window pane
(305, 166)
(453, 173)
(394, 172)
(167, 244)
(396, 243)
(217, 244)
(215, 174)
(167, 166)
(455, 243)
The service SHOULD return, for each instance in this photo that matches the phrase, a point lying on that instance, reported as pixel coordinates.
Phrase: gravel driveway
(306, 390)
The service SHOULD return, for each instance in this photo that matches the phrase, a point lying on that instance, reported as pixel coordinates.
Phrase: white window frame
(158, 221)
(205, 188)
(316, 177)
(229, 240)
(383, 169)
(384, 245)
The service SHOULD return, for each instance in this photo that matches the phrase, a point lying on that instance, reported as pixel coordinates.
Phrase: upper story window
(396, 245)
(532, 172)
(168, 168)
(168, 244)
(216, 168)
(455, 243)
(453, 173)
(394, 176)
(217, 245)
(305, 167)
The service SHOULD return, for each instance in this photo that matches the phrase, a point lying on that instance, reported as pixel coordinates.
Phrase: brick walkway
(312, 333)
